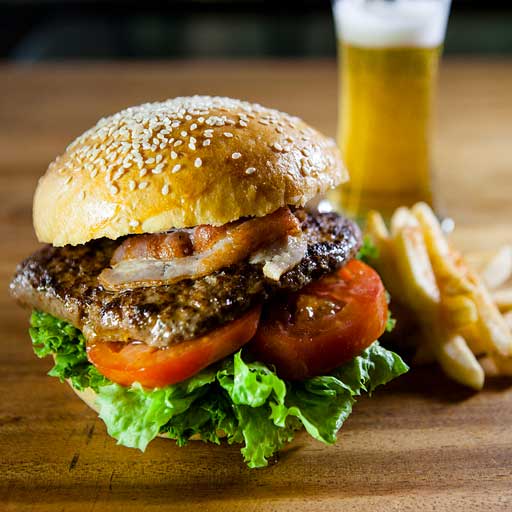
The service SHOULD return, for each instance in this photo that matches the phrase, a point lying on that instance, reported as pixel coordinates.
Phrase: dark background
(34, 30)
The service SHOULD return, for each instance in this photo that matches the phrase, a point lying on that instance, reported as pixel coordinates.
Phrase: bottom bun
(89, 397)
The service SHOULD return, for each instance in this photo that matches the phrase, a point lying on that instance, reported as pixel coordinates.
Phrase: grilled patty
(63, 281)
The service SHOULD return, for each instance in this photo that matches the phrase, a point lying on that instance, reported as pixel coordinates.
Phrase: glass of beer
(389, 52)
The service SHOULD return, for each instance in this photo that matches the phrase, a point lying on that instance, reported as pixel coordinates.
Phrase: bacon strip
(144, 262)
(160, 246)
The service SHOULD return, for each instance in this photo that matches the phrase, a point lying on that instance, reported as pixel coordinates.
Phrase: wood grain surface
(421, 443)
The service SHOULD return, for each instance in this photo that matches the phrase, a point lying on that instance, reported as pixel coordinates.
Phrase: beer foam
(384, 23)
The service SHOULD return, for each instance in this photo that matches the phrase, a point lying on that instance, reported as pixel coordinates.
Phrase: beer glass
(389, 53)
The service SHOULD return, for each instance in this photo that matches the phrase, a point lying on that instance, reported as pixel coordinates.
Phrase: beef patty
(63, 281)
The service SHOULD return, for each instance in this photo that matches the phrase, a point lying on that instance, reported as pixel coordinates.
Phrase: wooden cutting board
(420, 443)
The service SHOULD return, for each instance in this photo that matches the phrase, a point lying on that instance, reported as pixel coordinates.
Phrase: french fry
(459, 363)
(472, 336)
(414, 267)
(458, 311)
(492, 327)
(386, 262)
(497, 366)
(376, 226)
(508, 318)
(489, 366)
(503, 299)
(451, 274)
(401, 219)
(499, 269)
(459, 317)
(503, 364)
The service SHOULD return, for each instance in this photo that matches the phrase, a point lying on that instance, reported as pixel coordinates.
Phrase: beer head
(400, 23)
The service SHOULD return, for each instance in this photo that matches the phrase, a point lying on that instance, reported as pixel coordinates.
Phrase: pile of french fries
(464, 324)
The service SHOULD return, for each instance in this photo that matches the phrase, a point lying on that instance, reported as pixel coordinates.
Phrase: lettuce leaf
(368, 251)
(244, 400)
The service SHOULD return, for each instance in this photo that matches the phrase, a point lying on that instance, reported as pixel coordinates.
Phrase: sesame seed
(208, 133)
(236, 156)
(206, 142)
(198, 162)
(113, 189)
(118, 174)
(158, 158)
(165, 189)
(143, 172)
(264, 122)
(174, 155)
(158, 169)
(228, 134)
(200, 120)
(94, 173)
(242, 123)
(178, 143)
(193, 140)
(176, 168)
(193, 126)
(183, 133)
(82, 195)
(278, 146)
(132, 185)
(192, 146)
(143, 185)
(250, 170)
(134, 223)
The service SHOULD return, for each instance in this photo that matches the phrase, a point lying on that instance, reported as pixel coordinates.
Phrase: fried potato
(503, 299)
(493, 329)
(414, 267)
(402, 218)
(508, 318)
(499, 269)
(496, 365)
(458, 311)
(446, 263)
(385, 264)
(458, 316)
(376, 226)
(459, 363)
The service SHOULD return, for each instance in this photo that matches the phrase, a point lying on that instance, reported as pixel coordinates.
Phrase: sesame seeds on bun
(180, 163)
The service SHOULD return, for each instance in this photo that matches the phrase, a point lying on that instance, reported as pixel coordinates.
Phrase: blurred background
(38, 30)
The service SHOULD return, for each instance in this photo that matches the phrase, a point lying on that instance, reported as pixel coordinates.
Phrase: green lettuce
(368, 251)
(243, 399)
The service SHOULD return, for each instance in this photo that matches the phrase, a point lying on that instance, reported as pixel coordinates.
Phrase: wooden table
(423, 443)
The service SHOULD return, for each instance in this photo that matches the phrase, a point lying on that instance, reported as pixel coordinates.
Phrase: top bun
(180, 163)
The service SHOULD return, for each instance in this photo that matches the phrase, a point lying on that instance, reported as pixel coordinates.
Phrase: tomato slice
(324, 325)
(126, 363)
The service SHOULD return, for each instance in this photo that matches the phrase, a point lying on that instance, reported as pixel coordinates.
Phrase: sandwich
(187, 288)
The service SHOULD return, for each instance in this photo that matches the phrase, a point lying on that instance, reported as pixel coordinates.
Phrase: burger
(185, 288)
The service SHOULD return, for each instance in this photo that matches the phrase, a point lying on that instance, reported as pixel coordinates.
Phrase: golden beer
(388, 76)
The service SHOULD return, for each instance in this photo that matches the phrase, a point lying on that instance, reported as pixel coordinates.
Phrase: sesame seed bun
(89, 397)
(180, 163)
